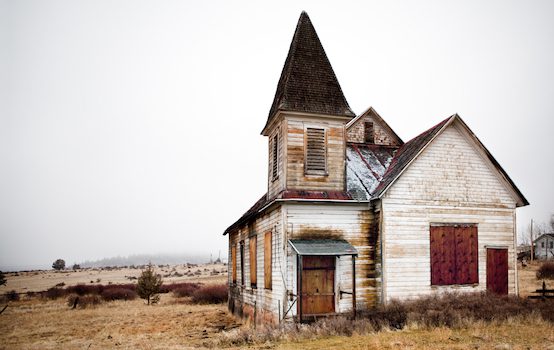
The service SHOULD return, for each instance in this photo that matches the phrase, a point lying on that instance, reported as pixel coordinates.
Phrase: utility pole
(532, 243)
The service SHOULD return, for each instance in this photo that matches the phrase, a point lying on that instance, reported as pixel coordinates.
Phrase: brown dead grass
(45, 324)
(177, 324)
(36, 281)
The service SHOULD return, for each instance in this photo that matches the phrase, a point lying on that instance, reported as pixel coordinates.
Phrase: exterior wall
(544, 252)
(450, 182)
(295, 154)
(381, 136)
(351, 222)
(258, 304)
(275, 186)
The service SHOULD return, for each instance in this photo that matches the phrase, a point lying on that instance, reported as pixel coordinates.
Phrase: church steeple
(308, 82)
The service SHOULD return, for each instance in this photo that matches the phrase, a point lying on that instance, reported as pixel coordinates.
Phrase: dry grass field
(176, 323)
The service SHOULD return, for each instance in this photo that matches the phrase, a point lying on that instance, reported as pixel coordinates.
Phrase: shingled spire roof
(308, 83)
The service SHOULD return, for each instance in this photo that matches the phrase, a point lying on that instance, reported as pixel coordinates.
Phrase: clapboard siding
(296, 178)
(381, 136)
(351, 222)
(450, 182)
(451, 171)
(263, 302)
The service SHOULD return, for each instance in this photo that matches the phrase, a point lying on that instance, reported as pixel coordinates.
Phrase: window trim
(253, 260)
(275, 157)
(317, 172)
(371, 138)
(268, 257)
(241, 247)
(456, 277)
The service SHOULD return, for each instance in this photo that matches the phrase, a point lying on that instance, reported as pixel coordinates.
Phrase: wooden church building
(353, 216)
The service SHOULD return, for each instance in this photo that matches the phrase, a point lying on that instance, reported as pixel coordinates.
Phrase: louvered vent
(275, 165)
(316, 153)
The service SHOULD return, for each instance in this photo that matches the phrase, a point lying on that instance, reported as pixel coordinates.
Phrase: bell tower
(306, 122)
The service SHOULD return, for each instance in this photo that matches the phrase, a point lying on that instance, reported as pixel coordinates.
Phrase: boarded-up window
(454, 255)
(275, 157)
(267, 260)
(316, 151)
(242, 262)
(368, 132)
(234, 263)
(253, 257)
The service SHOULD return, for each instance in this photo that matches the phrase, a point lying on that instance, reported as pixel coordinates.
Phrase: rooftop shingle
(308, 82)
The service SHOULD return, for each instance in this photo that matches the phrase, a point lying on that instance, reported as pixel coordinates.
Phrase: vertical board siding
(448, 183)
(497, 271)
(267, 260)
(234, 263)
(352, 223)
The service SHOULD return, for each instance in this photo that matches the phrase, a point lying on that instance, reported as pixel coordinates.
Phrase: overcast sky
(134, 126)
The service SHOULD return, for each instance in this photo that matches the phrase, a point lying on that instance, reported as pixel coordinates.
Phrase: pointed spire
(308, 82)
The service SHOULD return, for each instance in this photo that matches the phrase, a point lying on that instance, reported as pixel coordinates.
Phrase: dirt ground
(34, 323)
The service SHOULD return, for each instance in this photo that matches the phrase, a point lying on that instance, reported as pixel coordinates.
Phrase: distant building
(354, 217)
(544, 246)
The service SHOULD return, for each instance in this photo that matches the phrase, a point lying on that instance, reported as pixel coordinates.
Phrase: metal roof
(334, 247)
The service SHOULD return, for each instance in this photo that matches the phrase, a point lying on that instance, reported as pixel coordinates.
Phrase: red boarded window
(454, 254)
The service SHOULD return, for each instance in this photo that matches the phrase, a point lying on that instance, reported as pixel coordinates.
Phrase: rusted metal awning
(333, 247)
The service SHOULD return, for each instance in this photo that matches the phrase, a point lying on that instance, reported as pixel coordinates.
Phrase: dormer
(307, 119)
(370, 129)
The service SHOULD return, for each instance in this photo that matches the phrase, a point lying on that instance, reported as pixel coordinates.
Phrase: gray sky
(134, 126)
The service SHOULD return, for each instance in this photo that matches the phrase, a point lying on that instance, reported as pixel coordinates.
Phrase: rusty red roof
(301, 194)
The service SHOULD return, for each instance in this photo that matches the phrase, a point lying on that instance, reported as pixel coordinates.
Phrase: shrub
(3, 279)
(148, 285)
(83, 302)
(185, 289)
(213, 294)
(83, 289)
(546, 271)
(118, 294)
(54, 293)
(76, 267)
(12, 295)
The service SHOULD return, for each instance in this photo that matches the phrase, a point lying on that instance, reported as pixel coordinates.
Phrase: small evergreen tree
(59, 264)
(3, 280)
(148, 285)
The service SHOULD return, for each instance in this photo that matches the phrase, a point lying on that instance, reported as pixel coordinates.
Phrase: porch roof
(333, 247)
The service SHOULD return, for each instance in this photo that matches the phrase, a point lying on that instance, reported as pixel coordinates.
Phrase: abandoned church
(353, 216)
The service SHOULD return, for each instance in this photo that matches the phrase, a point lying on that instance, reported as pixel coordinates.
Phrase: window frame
(275, 157)
(268, 264)
(308, 150)
(369, 137)
(253, 260)
(453, 253)
(241, 248)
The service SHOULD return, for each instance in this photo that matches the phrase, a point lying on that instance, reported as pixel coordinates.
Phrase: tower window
(368, 132)
(316, 151)
(275, 165)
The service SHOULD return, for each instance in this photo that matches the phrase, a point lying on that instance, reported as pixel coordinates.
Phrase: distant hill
(142, 259)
